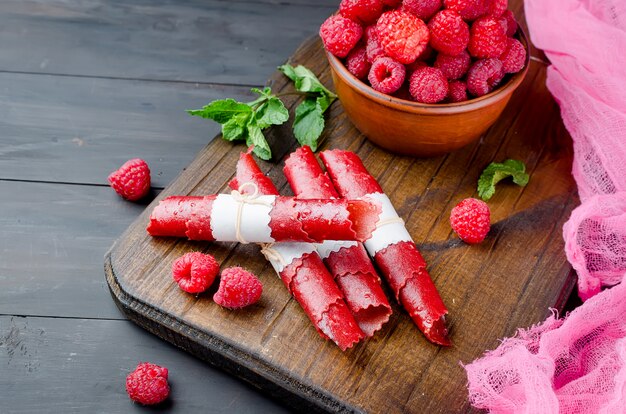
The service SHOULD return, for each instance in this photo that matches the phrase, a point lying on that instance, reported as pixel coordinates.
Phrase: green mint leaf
(222, 110)
(235, 128)
(305, 80)
(261, 147)
(271, 112)
(496, 172)
(309, 122)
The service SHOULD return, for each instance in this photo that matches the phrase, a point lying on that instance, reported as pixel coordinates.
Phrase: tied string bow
(242, 198)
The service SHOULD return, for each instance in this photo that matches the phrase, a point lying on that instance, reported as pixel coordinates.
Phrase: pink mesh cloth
(577, 365)
(571, 365)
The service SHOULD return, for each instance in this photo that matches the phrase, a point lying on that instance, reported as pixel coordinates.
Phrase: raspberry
(147, 384)
(195, 272)
(386, 75)
(424, 9)
(403, 36)
(373, 49)
(453, 67)
(514, 57)
(364, 11)
(340, 35)
(495, 8)
(470, 219)
(457, 91)
(357, 62)
(131, 180)
(511, 24)
(487, 38)
(484, 76)
(238, 288)
(428, 85)
(468, 9)
(449, 34)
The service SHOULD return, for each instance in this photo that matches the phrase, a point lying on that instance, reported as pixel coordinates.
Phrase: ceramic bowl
(417, 129)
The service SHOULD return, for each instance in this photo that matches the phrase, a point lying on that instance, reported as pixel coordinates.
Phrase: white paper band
(330, 246)
(242, 218)
(281, 255)
(390, 228)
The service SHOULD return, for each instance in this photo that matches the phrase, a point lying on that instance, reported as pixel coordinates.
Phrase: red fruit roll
(392, 247)
(302, 271)
(348, 262)
(252, 217)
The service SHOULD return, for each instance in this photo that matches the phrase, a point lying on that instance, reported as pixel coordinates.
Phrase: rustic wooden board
(508, 281)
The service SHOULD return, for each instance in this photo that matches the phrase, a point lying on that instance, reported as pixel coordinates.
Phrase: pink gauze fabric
(577, 364)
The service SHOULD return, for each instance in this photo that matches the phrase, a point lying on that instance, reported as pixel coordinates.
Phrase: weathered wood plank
(78, 130)
(80, 366)
(52, 240)
(191, 40)
(510, 280)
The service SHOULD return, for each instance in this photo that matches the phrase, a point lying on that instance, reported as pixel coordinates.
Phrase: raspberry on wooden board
(238, 288)
(195, 272)
(471, 220)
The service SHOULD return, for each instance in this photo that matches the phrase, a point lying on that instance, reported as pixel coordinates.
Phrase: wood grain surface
(510, 280)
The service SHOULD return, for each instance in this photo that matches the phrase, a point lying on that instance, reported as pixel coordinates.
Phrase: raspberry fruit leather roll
(302, 271)
(263, 219)
(392, 247)
(347, 261)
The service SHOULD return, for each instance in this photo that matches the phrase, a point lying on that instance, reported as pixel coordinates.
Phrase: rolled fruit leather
(347, 261)
(392, 247)
(302, 271)
(263, 219)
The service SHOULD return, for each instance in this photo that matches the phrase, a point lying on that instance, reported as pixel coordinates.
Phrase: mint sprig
(496, 172)
(246, 121)
(309, 120)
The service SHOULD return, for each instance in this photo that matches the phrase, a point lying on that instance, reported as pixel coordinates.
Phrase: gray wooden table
(84, 86)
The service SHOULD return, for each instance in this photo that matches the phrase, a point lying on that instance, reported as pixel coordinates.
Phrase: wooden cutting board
(508, 281)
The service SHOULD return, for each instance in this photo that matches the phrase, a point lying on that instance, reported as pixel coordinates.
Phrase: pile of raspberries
(429, 51)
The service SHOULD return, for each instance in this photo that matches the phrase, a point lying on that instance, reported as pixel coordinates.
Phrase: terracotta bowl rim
(417, 107)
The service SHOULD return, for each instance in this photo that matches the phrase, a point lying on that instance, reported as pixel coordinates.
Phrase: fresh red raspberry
(428, 85)
(238, 288)
(495, 8)
(403, 36)
(340, 35)
(357, 63)
(487, 38)
(386, 75)
(484, 76)
(424, 9)
(468, 9)
(457, 91)
(373, 48)
(131, 180)
(449, 34)
(147, 384)
(365, 11)
(514, 57)
(470, 219)
(511, 24)
(453, 67)
(195, 272)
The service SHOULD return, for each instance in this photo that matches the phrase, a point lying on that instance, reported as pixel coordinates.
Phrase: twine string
(242, 198)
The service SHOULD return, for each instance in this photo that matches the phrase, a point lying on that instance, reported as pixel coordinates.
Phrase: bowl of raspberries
(424, 77)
